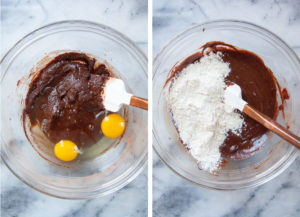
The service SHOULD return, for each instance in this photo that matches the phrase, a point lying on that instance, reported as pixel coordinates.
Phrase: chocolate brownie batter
(65, 101)
(258, 86)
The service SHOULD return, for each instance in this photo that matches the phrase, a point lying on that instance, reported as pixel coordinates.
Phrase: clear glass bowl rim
(232, 23)
(139, 166)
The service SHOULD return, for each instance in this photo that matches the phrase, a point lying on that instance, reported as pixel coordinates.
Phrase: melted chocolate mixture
(65, 100)
(258, 86)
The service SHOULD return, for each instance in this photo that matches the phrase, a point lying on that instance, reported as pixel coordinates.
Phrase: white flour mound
(203, 121)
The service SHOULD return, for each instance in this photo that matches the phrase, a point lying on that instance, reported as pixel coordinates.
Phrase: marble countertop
(18, 18)
(174, 196)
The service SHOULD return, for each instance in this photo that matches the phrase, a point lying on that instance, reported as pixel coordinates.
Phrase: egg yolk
(113, 126)
(66, 150)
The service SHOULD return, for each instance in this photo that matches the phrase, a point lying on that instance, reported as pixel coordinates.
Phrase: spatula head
(233, 97)
(115, 95)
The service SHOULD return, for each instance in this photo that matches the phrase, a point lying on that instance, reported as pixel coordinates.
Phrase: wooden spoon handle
(272, 125)
(139, 102)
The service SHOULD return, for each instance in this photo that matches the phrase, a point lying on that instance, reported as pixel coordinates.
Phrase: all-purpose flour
(195, 100)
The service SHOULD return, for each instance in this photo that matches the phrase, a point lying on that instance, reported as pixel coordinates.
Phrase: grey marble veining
(17, 199)
(172, 195)
(172, 17)
(19, 18)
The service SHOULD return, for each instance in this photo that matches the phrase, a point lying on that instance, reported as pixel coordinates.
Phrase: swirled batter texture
(65, 99)
(258, 86)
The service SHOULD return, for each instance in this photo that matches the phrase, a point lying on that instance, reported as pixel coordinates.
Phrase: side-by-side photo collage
(150, 108)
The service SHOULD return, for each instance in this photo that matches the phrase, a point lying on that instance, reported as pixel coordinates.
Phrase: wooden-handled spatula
(233, 97)
(115, 95)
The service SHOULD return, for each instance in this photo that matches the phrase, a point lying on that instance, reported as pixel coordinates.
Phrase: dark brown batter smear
(258, 86)
(65, 100)
(259, 90)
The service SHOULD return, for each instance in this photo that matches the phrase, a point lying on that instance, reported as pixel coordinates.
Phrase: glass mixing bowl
(101, 175)
(276, 154)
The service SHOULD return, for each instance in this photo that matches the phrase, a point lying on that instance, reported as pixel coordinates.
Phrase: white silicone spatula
(115, 95)
(233, 97)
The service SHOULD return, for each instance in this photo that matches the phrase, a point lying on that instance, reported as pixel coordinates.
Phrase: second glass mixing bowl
(96, 177)
(276, 154)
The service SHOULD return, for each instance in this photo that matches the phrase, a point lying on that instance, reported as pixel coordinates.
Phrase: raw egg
(113, 125)
(66, 150)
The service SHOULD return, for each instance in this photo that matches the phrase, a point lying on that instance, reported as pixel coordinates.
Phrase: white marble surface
(174, 196)
(18, 18)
